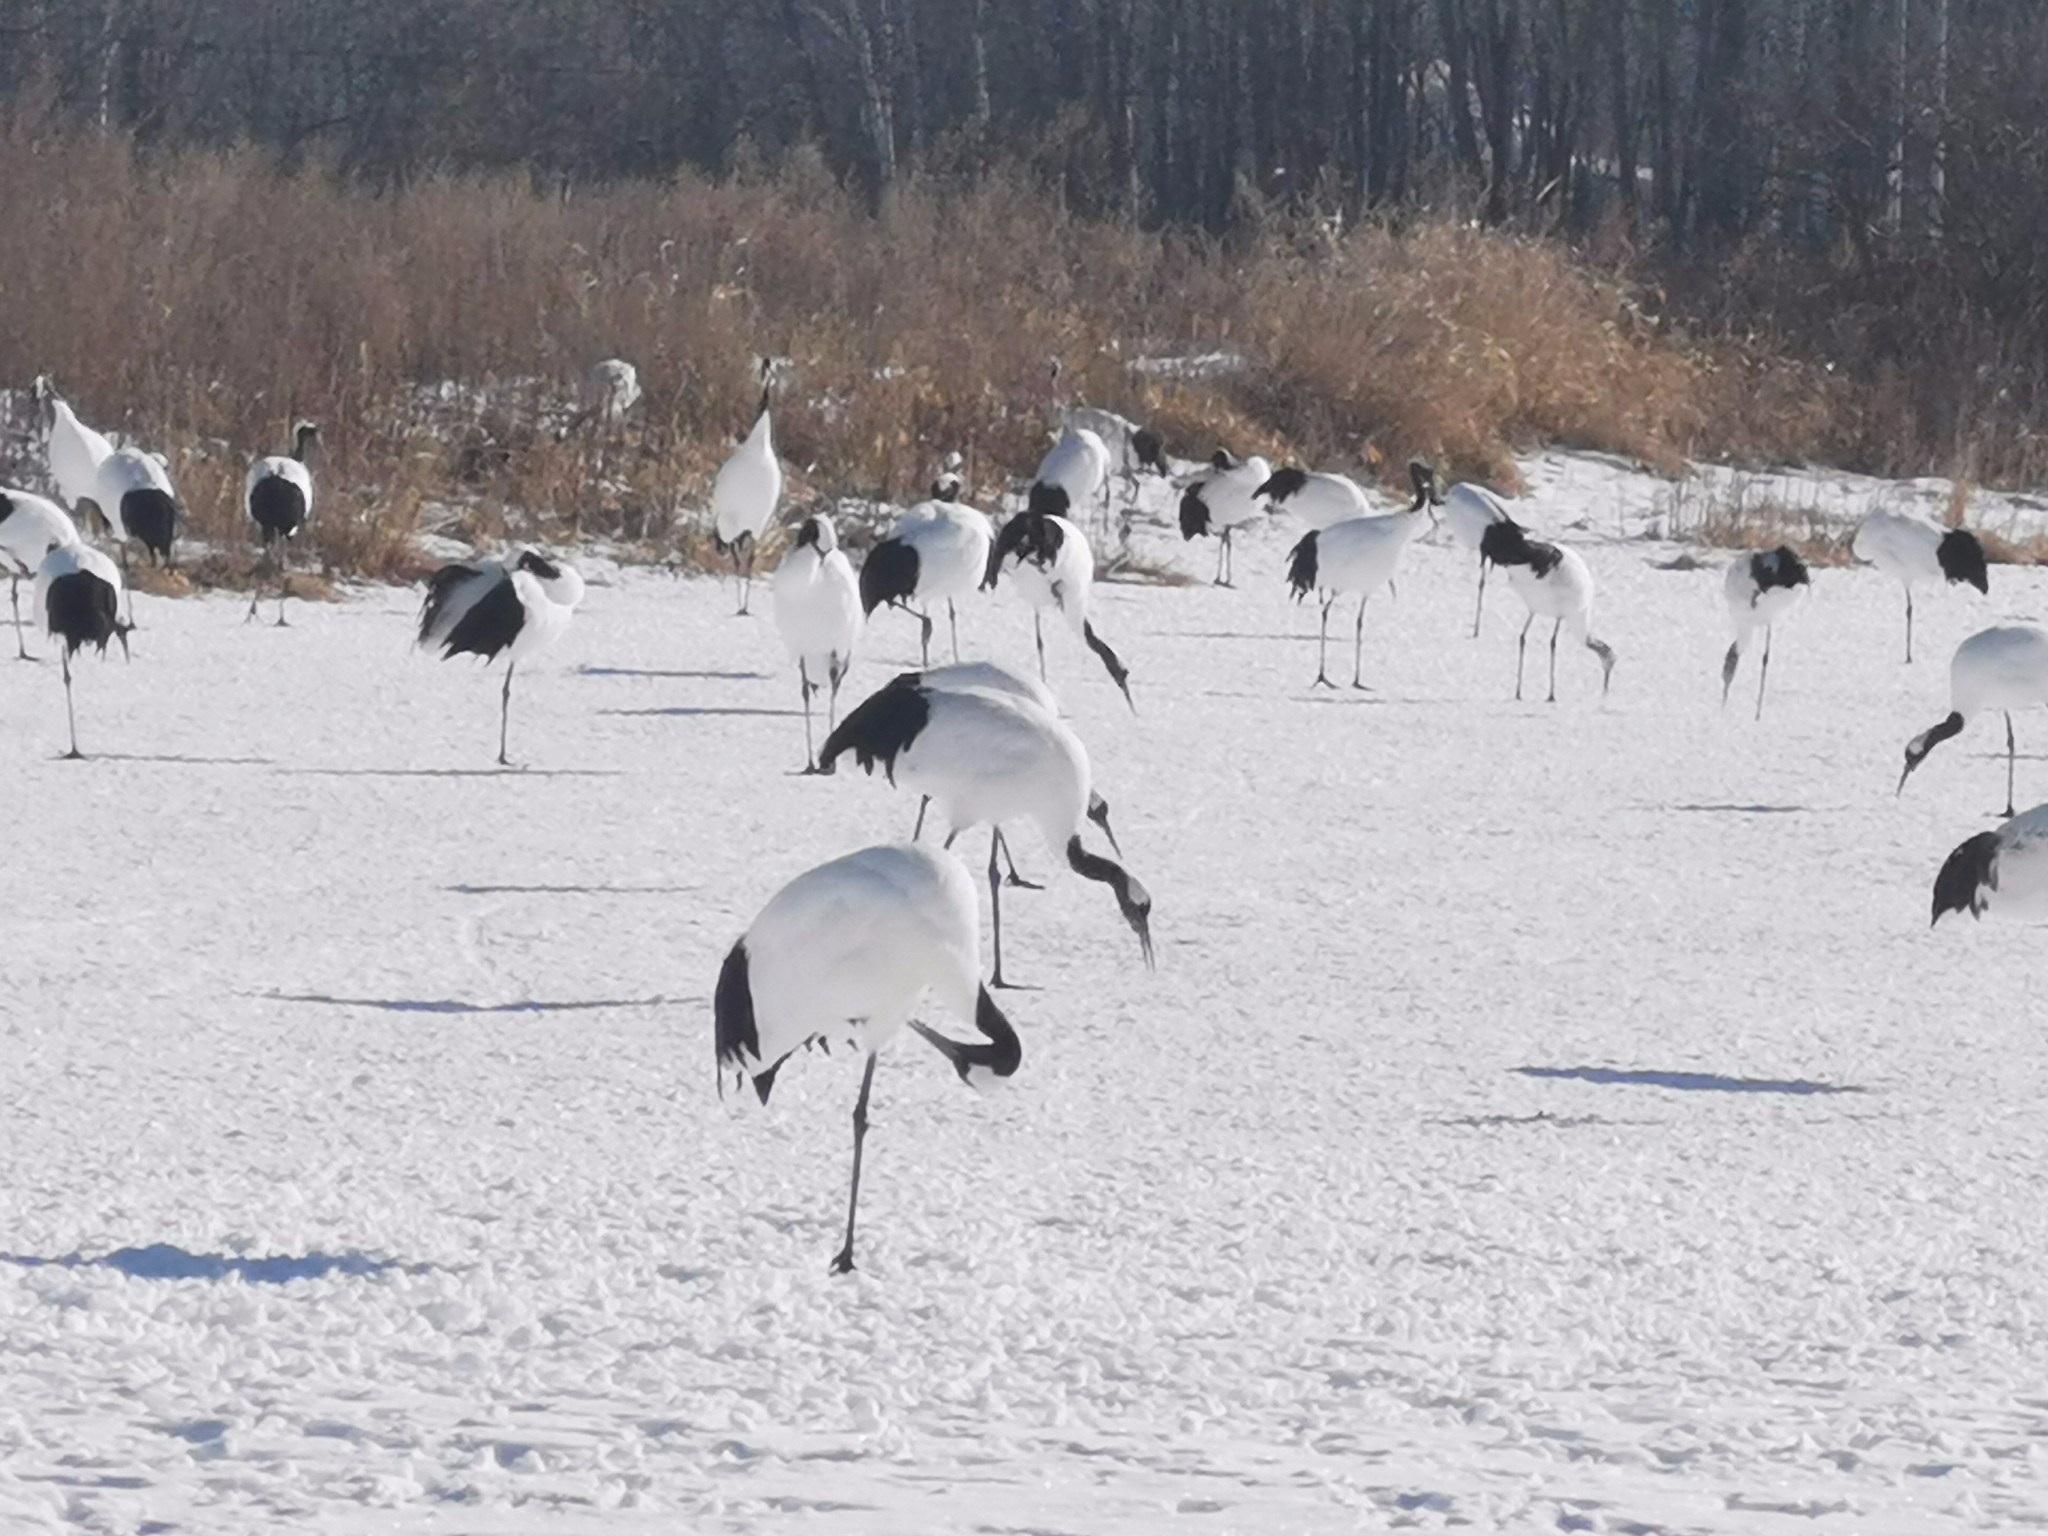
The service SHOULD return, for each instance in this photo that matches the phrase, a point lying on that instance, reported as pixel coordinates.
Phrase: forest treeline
(1861, 183)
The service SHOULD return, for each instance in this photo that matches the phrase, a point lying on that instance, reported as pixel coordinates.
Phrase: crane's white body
(1078, 464)
(749, 484)
(952, 541)
(847, 950)
(991, 757)
(2003, 667)
(546, 604)
(817, 605)
(1564, 592)
(1324, 501)
(1362, 554)
(1231, 494)
(30, 527)
(989, 677)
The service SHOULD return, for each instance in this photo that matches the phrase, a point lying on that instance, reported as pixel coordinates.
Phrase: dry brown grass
(200, 302)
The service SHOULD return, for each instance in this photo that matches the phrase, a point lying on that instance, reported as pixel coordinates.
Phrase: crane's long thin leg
(284, 590)
(1909, 626)
(842, 1264)
(1358, 648)
(1013, 878)
(1479, 607)
(1038, 634)
(2010, 752)
(1763, 673)
(953, 627)
(70, 714)
(1323, 646)
(505, 716)
(995, 904)
(803, 683)
(1553, 661)
(832, 699)
(14, 595)
(1521, 650)
(924, 639)
(924, 803)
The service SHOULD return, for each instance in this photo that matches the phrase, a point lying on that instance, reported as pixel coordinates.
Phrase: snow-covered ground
(1541, 1118)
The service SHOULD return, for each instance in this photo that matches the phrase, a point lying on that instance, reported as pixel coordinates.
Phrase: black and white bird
(844, 952)
(2004, 872)
(517, 603)
(1073, 477)
(1466, 511)
(2004, 668)
(983, 756)
(1051, 565)
(72, 450)
(1358, 555)
(278, 496)
(1909, 551)
(1553, 583)
(938, 551)
(30, 527)
(136, 499)
(818, 611)
(1760, 589)
(744, 495)
(78, 593)
(1318, 500)
(1221, 499)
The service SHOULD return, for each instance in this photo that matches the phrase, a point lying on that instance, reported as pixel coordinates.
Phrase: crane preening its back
(937, 550)
(844, 952)
(1053, 567)
(1221, 499)
(516, 603)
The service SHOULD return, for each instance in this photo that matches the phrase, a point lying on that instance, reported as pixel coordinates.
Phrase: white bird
(604, 394)
(78, 593)
(136, 500)
(938, 551)
(744, 495)
(817, 609)
(1909, 550)
(2004, 668)
(1221, 499)
(1053, 567)
(1553, 583)
(1319, 500)
(1358, 555)
(1760, 589)
(517, 602)
(1073, 475)
(1467, 511)
(989, 757)
(277, 494)
(73, 450)
(2004, 872)
(30, 527)
(843, 953)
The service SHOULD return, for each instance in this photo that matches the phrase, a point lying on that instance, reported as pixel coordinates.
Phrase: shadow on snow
(1688, 1082)
(166, 1261)
(454, 1005)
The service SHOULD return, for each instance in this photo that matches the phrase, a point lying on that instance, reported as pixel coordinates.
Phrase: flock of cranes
(846, 950)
